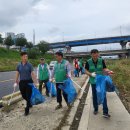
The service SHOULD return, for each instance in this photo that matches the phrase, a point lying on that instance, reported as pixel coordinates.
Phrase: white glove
(52, 80)
(15, 85)
(93, 74)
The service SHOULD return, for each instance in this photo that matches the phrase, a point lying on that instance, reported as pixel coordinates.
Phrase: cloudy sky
(58, 20)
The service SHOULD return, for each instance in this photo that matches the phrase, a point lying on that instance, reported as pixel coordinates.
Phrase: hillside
(9, 59)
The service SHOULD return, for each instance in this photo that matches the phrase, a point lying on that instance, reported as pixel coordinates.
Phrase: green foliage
(33, 54)
(43, 47)
(10, 58)
(1, 39)
(21, 42)
(29, 45)
(8, 42)
(122, 73)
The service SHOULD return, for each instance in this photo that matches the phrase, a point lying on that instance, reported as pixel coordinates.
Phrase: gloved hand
(93, 74)
(15, 85)
(52, 80)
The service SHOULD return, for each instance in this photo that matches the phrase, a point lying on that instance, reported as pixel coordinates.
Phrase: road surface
(6, 83)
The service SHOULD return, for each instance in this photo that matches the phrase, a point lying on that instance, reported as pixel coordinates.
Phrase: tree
(43, 47)
(21, 42)
(29, 45)
(1, 39)
(8, 42)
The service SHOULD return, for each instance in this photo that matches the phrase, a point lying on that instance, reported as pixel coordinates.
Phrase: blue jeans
(95, 103)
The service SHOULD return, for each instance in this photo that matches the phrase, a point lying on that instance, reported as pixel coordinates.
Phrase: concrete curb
(86, 112)
(74, 109)
(15, 98)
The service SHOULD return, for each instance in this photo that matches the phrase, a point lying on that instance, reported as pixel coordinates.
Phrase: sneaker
(69, 105)
(95, 112)
(106, 115)
(58, 107)
(26, 111)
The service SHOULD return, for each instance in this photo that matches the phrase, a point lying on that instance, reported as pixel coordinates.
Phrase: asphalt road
(6, 83)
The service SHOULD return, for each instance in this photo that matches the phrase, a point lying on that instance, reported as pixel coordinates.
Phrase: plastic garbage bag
(100, 88)
(36, 97)
(110, 87)
(52, 89)
(103, 84)
(69, 89)
(83, 70)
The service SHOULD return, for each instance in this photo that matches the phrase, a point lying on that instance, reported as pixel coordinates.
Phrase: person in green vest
(43, 75)
(81, 65)
(96, 65)
(62, 71)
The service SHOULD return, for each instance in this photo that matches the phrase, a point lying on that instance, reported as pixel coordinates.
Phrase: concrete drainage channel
(72, 117)
(78, 115)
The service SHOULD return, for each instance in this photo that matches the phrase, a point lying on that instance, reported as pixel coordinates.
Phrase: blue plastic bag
(36, 97)
(103, 84)
(51, 88)
(75, 73)
(110, 87)
(69, 89)
(83, 70)
(100, 88)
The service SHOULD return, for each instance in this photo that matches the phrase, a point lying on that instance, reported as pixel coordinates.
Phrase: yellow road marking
(6, 80)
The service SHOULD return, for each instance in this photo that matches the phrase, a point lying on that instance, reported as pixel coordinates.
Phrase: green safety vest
(60, 71)
(92, 68)
(43, 73)
(81, 63)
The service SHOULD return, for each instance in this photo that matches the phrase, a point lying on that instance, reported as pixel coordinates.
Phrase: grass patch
(122, 79)
(10, 58)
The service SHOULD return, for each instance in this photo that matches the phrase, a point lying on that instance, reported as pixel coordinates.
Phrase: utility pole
(33, 37)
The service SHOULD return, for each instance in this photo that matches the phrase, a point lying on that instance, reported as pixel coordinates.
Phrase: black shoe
(106, 115)
(26, 111)
(58, 107)
(47, 94)
(30, 106)
(95, 112)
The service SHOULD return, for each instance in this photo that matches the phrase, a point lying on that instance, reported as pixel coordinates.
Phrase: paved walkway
(120, 118)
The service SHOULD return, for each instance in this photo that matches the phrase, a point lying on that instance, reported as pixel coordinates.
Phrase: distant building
(10, 34)
(20, 35)
(14, 37)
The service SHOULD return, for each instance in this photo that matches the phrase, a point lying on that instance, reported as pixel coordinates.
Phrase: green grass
(122, 74)
(9, 59)
(122, 79)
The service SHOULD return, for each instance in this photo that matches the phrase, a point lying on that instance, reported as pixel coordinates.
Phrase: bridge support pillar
(123, 45)
(128, 56)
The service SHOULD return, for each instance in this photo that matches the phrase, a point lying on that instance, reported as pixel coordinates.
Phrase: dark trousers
(40, 86)
(59, 94)
(77, 69)
(81, 70)
(26, 91)
(95, 103)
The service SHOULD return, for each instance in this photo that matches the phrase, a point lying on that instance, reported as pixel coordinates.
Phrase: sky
(64, 20)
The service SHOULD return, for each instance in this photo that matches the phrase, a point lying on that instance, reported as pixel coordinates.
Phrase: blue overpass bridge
(86, 42)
